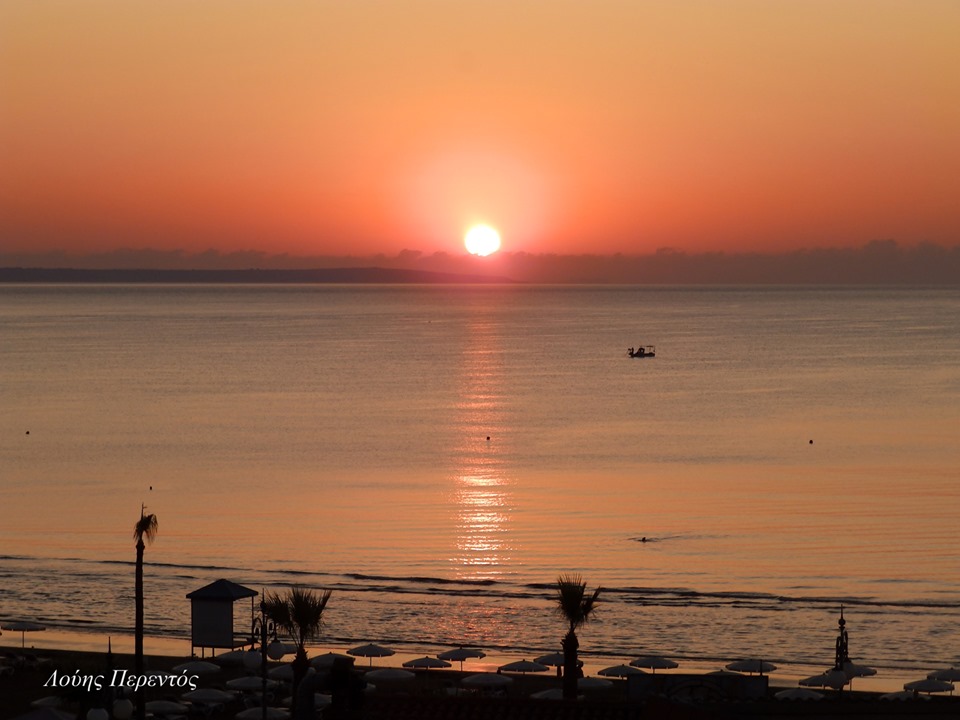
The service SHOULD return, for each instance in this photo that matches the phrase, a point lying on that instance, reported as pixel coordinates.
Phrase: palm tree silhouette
(576, 608)
(299, 614)
(144, 530)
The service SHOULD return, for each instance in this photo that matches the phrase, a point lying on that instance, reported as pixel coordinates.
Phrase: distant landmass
(372, 275)
(878, 262)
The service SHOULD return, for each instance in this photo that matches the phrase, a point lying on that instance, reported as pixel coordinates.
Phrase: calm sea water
(438, 455)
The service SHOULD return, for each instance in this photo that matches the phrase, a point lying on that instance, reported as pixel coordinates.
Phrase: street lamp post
(263, 629)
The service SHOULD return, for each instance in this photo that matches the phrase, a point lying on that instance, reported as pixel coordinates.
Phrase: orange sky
(332, 127)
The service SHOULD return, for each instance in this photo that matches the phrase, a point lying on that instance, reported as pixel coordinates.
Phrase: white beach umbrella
(929, 685)
(551, 659)
(196, 667)
(621, 671)
(46, 713)
(229, 659)
(51, 701)
(387, 675)
(252, 659)
(157, 673)
(949, 674)
(166, 707)
(328, 659)
(208, 695)
(371, 651)
(285, 672)
(798, 693)
(835, 679)
(486, 680)
(524, 666)
(548, 694)
(853, 670)
(250, 683)
(903, 695)
(426, 663)
(23, 627)
(654, 662)
(751, 666)
(320, 700)
(593, 683)
(460, 654)
(256, 713)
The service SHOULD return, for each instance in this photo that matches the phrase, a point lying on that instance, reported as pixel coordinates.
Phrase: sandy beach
(433, 693)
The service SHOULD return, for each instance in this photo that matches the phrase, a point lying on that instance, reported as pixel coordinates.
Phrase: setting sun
(482, 240)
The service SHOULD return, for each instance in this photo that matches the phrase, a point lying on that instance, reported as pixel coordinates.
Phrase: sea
(439, 455)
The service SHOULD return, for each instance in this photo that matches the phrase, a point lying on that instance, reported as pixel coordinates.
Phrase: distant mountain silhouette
(373, 275)
(879, 262)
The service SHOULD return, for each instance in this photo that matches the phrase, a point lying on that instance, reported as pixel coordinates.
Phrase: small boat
(644, 351)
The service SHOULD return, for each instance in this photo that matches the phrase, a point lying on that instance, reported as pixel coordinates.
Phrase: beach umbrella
(231, 658)
(321, 662)
(903, 695)
(388, 674)
(621, 671)
(548, 694)
(460, 654)
(250, 683)
(319, 701)
(166, 707)
(426, 663)
(196, 667)
(835, 679)
(593, 683)
(285, 672)
(122, 708)
(46, 713)
(653, 662)
(929, 685)
(751, 666)
(371, 651)
(852, 670)
(949, 674)
(23, 627)
(208, 696)
(47, 701)
(524, 666)
(798, 694)
(486, 680)
(288, 648)
(256, 713)
(551, 659)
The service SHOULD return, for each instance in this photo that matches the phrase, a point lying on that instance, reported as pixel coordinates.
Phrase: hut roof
(222, 590)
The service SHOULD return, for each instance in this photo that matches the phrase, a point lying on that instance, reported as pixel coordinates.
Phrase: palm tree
(576, 608)
(299, 614)
(144, 530)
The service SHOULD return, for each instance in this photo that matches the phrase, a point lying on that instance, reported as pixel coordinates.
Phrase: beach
(442, 694)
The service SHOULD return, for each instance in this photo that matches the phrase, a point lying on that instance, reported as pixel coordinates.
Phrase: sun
(482, 240)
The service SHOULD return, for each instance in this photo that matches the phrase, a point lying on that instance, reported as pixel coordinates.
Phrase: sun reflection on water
(483, 513)
(481, 497)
